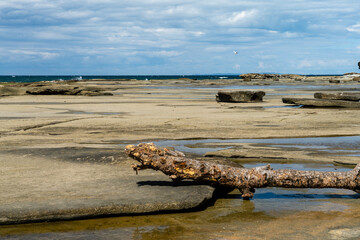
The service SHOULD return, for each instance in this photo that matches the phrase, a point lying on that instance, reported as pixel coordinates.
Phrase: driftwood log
(178, 167)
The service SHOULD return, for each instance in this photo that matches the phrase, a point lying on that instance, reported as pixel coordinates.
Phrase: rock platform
(67, 183)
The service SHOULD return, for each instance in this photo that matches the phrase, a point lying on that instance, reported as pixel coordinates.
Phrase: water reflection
(229, 216)
(274, 213)
(343, 145)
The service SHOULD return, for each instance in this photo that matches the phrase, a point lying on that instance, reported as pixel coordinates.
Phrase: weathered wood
(178, 167)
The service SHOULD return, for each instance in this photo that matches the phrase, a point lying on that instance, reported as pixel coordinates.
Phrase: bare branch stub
(178, 167)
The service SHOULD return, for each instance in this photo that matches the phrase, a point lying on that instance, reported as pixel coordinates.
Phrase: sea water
(37, 78)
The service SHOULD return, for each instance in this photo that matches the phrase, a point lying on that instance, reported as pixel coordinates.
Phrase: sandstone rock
(334, 81)
(240, 96)
(53, 91)
(338, 96)
(10, 91)
(77, 183)
(270, 76)
(309, 102)
(351, 73)
(345, 233)
(66, 90)
(252, 76)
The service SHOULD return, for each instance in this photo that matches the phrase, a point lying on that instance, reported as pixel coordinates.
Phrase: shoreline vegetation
(62, 143)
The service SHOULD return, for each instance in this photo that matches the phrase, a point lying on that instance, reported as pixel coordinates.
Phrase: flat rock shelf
(53, 190)
(314, 102)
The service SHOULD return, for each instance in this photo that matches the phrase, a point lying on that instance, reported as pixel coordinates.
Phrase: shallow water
(274, 213)
(229, 218)
(283, 87)
(342, 146)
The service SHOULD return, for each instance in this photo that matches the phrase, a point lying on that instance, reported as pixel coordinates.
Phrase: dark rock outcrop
(335, 81)
(67, 90)
(240, 96)
(270, 76)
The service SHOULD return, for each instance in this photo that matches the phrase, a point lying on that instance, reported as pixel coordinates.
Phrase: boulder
(67, 90)
(339, 96)
(240, 96)
(334, 81)
(310, 102)
(252, 76)
(53, 91)
(270, 76)
(10, 91)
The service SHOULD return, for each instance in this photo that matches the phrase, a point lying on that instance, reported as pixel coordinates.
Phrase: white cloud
(242, 18)
(291, 34)
(185, 30)
(36, 54)
(305, 63)
(261, 65)
(219, 49)
(354, 28)
(319, 63)
(164, 53)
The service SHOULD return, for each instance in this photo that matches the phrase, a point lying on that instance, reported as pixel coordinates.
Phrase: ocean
(33, 78)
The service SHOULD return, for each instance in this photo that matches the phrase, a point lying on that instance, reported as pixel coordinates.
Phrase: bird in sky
(235, 52)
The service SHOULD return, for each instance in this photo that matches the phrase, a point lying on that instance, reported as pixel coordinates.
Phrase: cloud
(261, 65)
(198, 35)
(33, 54)
(319, 63)
(242, 18)
(164, 53)
(354, 28)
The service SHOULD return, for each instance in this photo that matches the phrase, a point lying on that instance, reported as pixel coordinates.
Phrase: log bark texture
(178, 167)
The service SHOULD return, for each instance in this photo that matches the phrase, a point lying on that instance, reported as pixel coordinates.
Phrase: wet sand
(43, 126)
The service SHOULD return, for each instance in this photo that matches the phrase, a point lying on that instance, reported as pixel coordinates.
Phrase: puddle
(324, 167)
(11, 118)
(273, 213)
(289, 94)
(265, 87)
(285, 106)
(96, 113)
(344, 145)
(229, 218)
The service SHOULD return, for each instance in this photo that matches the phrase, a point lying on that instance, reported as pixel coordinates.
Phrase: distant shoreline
(39, 78)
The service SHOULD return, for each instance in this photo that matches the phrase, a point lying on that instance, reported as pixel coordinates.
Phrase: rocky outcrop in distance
(54, 88)
(335, 100)
(240, 96)
(68, 90)
(338, 96)
(270, 76)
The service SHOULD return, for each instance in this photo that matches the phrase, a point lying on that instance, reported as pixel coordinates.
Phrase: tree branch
(178, 167)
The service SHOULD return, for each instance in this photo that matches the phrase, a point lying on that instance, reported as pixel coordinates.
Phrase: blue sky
(178, 37)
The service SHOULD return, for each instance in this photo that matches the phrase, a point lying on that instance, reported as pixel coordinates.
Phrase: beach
(62, 156)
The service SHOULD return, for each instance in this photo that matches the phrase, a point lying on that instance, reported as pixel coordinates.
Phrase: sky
(163, 37)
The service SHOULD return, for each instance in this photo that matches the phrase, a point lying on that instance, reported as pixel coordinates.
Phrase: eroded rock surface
(240, 96)
(37, 188)
(67, 90)
(321, 102)
(338, 96)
